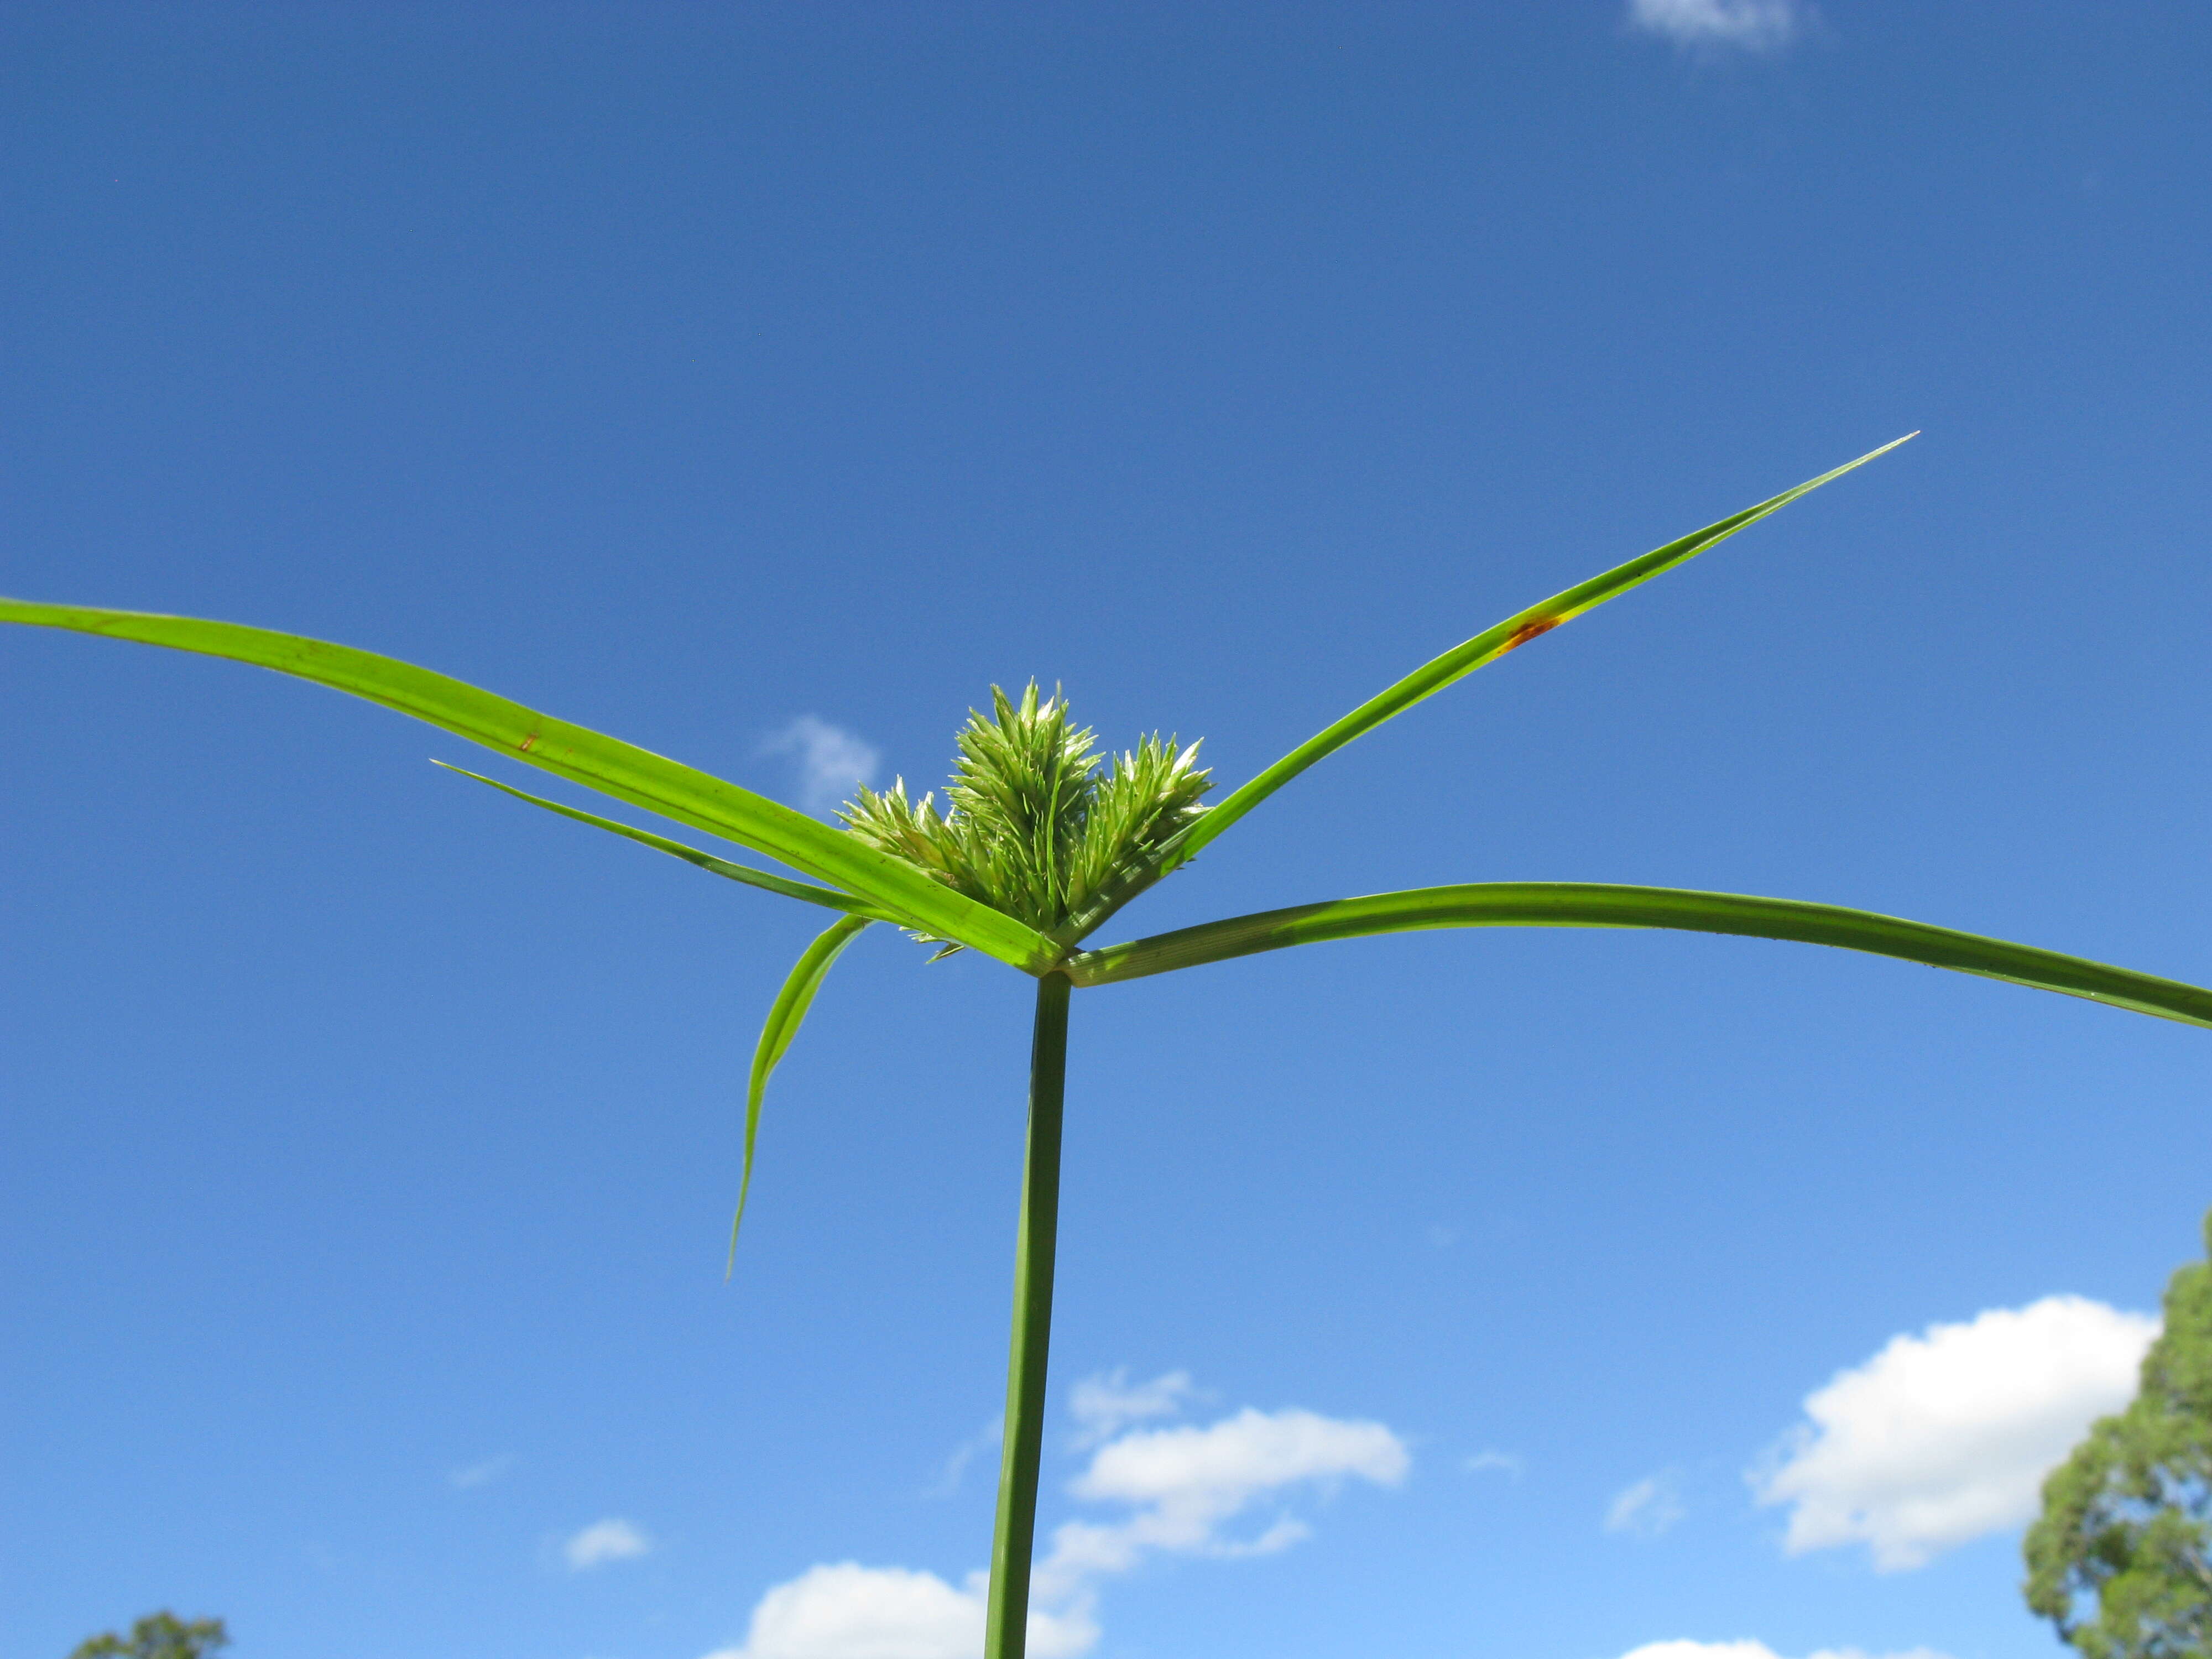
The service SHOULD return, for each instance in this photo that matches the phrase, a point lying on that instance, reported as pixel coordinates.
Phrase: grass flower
(1032, 826)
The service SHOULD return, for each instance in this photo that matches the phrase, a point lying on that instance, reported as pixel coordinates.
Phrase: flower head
(1033, 826)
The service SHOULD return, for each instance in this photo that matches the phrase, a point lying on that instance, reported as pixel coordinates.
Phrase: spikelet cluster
(1032, 826)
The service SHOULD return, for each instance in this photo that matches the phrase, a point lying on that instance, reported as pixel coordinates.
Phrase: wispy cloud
(831, 760)
(480, 1474)
(612, 1540)
(1488, 1461)
(1746, 25)
(1104, 1405)
(1184, 1489)
(1946, 1436)
(1758, 1650)
(985, 1439)
(1647, 1508)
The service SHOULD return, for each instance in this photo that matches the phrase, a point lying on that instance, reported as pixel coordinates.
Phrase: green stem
(1014, 1539)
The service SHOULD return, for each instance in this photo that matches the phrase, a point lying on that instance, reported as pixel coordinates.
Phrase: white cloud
(480, 1474)
(1751, 25)
(831, 760)
(1104, 1405)
(612, 1540)
(1183, 1486)
(1757, 1650)
(1187, 1483)
(1648, 1508)
(1504, 1462)
(851, 1611)
(1946, 1436)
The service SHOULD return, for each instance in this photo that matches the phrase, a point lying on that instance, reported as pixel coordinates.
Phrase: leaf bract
(828, 896)
(1590, 904)
(581, 755)
(784, 1017)
(1487, 646)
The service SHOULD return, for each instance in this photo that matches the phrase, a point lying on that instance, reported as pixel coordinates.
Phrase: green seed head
(1032, 825)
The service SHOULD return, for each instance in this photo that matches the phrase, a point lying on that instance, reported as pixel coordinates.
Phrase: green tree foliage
(159, 1636)
(2121, 1560)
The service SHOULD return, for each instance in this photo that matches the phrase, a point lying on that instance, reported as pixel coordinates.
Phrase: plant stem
(1014, 1539)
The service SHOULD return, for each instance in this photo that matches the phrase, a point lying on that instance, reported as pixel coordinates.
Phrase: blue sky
(762, 383)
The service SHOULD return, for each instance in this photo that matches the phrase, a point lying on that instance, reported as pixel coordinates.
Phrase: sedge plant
(1039, 844)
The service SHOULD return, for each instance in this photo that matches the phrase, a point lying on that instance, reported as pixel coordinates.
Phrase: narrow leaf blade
(581, 755)
(784, 1017)
(1488, 646)
(828, 896)
(1590, 904)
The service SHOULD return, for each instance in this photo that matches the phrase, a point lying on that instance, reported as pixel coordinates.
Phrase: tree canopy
(2121, 1560)
(159, 1636)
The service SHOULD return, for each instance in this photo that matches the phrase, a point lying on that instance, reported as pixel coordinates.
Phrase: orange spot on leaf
(1527, 631)
(528, 741)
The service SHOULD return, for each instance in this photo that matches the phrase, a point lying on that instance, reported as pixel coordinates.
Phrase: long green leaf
(798, 890)
(581, 755)
(1487, 646)
(784, 1017)
(1588, 904)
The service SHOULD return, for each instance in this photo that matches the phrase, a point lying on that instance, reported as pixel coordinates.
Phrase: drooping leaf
(1590, 904)
(798, 890)
(1488, 646)
(582, 756)
(784, 1017)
